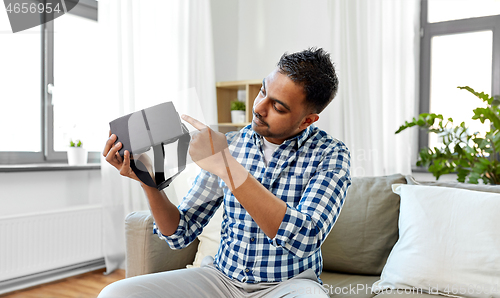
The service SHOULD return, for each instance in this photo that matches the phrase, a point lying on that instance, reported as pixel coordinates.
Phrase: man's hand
(166, 214)
(123, 164)
(207, 147)
(210, 151)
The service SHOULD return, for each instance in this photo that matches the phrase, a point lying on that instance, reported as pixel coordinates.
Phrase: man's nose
(260, 107)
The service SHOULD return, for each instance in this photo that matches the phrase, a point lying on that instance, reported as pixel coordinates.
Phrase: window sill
(415, 169)
(45, 167)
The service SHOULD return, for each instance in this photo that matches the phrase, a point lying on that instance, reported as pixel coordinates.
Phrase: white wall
(31, 192)
(250, 36)
(225, 38)
(267, 29)
(264, 30)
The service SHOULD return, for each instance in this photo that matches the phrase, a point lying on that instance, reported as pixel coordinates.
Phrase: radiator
(34, 243)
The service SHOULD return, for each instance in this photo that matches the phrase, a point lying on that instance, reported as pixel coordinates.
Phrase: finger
(118, 157)
(112, 153)
(126, 159)
(109, 143)
(195, 123)
(211, 141)
(126, 163)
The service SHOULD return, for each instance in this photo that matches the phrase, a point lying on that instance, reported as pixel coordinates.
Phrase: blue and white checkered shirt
(310, 172)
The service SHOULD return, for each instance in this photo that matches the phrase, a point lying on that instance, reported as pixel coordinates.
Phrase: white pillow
(449, 243)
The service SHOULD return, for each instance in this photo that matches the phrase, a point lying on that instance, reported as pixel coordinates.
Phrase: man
(281, 181)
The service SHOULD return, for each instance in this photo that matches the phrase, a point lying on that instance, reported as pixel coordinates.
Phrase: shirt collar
(298, 139)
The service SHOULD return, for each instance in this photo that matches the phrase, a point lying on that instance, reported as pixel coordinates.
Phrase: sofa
(354, 253)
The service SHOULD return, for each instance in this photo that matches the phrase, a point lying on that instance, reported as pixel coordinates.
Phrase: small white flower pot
(77, 156)
(238, 116)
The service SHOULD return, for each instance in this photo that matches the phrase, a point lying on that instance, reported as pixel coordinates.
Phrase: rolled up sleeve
(196, 209)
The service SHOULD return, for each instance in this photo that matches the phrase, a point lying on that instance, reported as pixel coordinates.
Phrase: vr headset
(152, 127)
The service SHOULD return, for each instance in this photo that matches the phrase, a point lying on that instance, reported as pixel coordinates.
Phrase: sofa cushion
(348, 285)
(407, 294)
(448, 242)
(479, 187)
(146, 253)
(341, 285)
(367, 227)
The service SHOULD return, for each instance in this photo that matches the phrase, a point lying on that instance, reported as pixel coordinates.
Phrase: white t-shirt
(269, 149)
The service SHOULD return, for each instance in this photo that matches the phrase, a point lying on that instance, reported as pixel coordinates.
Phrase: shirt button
(247, 270)
(252, 239)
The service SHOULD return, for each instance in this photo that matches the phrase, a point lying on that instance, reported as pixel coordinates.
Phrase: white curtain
(375, 48)
(153, 50)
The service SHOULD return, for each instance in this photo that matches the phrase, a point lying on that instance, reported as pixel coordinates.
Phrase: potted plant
(472, 155)
(237, 111)
(77, 155)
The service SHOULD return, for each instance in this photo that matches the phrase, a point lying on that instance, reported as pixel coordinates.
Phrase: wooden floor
(87, 285)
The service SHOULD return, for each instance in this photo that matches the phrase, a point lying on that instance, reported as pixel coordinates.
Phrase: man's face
(279, 111)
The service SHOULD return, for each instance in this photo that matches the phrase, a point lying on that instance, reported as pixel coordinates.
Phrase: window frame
(84, 8)
(429, 30)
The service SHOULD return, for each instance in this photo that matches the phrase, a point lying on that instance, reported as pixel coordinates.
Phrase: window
(36, 126)
(460, 46)
(20, 81)
(446, 10)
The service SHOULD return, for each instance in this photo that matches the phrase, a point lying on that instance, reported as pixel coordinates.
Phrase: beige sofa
(354, 253)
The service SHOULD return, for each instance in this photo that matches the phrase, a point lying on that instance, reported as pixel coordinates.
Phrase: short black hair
(313, 69)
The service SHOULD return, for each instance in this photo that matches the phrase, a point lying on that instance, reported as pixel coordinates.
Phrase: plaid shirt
(310, 172)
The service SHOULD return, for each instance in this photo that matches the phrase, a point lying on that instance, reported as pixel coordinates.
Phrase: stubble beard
(265, 131)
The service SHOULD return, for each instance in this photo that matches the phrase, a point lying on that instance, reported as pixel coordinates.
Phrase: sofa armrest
(146, 253)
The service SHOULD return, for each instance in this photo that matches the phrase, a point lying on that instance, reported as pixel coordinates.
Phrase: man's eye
(262, 91)
(277, 110)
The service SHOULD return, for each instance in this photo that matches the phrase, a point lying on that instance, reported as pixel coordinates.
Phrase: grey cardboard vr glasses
(149, 128)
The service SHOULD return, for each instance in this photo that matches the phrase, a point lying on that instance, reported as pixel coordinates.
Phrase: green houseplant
(238, 111)
(77, 155)
(472, 155)
(72, 144)
(237, 106)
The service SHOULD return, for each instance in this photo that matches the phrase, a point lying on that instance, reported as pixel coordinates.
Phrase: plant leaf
(483, 96)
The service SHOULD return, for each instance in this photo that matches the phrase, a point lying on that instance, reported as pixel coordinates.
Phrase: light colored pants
(208, 281)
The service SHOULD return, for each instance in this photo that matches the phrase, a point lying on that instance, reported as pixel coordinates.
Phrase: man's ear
(308, 120)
